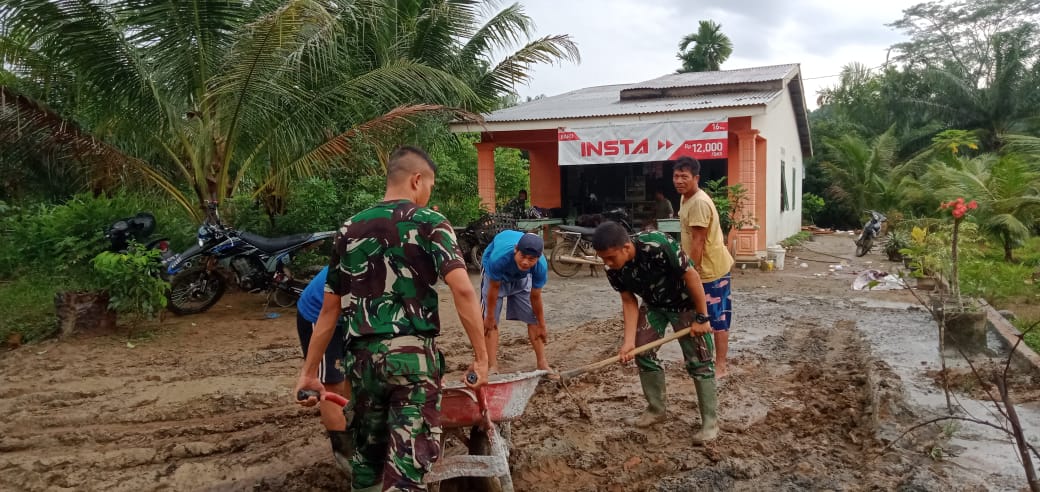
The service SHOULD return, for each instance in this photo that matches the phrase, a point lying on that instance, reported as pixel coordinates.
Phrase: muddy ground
(202, 402)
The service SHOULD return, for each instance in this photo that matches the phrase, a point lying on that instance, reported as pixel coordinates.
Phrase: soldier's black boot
(708, 402)
(654, 391)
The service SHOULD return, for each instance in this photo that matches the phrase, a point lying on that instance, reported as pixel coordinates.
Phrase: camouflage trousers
(396, 398)
(698, 352)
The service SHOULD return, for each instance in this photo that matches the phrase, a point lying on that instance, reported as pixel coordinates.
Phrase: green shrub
(246, 214)
(812, 205)
(63, 238)
(132, 280)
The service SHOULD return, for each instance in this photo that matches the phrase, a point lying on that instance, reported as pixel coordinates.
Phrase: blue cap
(530, 245)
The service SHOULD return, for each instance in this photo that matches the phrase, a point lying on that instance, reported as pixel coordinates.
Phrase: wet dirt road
(203, 402)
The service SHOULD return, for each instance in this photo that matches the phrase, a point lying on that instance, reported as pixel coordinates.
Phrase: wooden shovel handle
(595, 366)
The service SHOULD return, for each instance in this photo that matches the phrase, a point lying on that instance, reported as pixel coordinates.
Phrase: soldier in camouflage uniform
(381, 276)
(652, 266)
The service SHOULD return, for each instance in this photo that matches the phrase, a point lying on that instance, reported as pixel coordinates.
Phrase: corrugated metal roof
(605, 101)
(722, 77)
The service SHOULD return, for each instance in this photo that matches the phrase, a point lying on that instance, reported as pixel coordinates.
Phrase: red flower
(958, 207)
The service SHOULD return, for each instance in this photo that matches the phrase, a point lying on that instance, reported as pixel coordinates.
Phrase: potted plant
(895, 242)
(924, 254)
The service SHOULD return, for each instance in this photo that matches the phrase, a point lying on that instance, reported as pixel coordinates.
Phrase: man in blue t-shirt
(330, 371)
(514, 269)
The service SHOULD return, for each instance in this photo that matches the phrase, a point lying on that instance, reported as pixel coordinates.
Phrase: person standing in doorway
(662, 206)
(704, 244)
(381, 278)
(518, 205)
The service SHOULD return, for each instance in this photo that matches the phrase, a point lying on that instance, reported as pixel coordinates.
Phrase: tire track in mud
(198, 419)
(801, 398)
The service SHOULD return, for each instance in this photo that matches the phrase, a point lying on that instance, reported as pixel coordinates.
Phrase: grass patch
(984, 273)
(1032, 338)
(28, 306)
(796, 239)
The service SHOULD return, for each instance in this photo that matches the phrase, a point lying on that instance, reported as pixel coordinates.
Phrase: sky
(628, 41)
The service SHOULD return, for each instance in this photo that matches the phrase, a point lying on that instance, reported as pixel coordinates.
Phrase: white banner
(700, 139)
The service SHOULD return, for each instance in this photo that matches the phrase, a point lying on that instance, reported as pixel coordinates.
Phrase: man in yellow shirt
(704, 244)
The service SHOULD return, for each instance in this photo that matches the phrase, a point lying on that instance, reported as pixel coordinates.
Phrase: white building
(748, 125)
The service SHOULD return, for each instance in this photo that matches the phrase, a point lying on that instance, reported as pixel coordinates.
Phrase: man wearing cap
(514, 269)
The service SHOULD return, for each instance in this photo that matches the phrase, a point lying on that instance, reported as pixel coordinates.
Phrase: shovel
(595, 366)
(566, 376)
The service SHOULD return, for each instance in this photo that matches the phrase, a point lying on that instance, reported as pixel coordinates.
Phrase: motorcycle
(199, 275)
(871, 231)
(139, 229)
(475, 237)
(573, 248)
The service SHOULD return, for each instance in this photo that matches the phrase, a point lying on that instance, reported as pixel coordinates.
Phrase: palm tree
(1006, 187)
(1005, 101)
(710, 48)
(463, 38)
(861, 172)
(210, 97)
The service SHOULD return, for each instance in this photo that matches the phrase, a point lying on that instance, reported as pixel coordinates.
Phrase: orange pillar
(486, 174)
(761, 199)
(545, 176)
(747, 237)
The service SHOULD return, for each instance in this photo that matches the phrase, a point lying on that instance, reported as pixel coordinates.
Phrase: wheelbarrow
(500, 401)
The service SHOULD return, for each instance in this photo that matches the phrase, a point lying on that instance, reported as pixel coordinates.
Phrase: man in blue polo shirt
(514, 269)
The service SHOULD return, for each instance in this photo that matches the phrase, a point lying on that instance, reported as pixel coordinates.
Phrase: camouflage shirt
(656, 273)
(384, 265)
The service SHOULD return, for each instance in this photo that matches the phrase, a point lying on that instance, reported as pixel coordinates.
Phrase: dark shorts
(720, 307)
(331, 369)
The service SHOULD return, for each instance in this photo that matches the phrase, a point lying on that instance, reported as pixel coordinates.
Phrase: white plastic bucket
(776, 253)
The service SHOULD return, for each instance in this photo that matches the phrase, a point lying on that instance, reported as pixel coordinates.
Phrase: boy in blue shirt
(330, 371)
(514, 269)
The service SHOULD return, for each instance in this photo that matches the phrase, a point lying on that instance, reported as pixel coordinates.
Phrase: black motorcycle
(199, 275)
(475, 237)
(871, 231)
(139, 229)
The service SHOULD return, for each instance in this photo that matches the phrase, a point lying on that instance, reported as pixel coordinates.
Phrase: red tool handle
(324, 395)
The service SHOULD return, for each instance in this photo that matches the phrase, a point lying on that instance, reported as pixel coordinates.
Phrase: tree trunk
(955, 279)
(1007, 250)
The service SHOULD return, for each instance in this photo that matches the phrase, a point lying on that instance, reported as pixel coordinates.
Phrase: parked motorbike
(138, 228)
(199, 276)
(573, 248)
(871, 231)
(475, 237)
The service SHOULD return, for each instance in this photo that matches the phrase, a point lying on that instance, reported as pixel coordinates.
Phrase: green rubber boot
(708, 402)
(654, 391)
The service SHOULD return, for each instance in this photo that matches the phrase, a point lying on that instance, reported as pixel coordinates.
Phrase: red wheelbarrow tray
(506, 396)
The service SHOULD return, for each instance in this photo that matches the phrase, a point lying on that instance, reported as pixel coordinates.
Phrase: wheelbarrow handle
(323, 395)
(595, 366)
